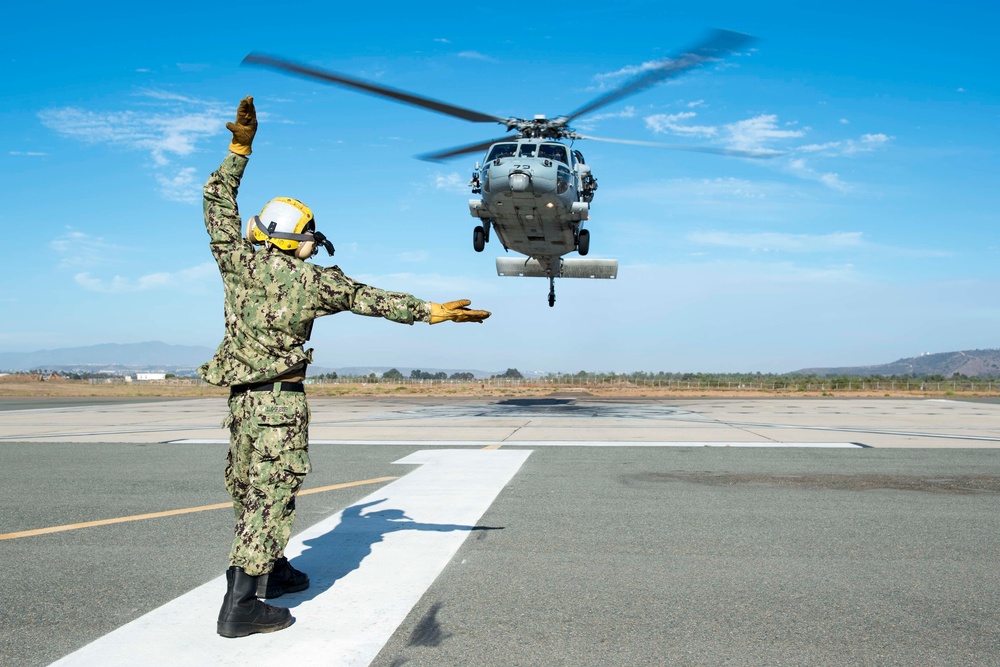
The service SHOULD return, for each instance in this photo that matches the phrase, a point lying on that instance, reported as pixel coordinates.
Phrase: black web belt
(296, 387)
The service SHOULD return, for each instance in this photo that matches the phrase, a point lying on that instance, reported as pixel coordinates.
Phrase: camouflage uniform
(271, 300)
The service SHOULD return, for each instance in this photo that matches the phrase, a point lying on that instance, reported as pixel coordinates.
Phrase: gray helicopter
(535, 191)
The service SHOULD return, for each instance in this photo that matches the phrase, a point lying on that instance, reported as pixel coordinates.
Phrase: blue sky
(875, 236)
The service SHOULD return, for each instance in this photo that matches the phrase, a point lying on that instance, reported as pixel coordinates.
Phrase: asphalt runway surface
(646, 532)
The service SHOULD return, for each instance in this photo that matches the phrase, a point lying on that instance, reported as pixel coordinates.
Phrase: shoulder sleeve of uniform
(339, 293)
(222, 216)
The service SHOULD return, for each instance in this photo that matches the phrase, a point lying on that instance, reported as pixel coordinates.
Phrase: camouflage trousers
(268, 459)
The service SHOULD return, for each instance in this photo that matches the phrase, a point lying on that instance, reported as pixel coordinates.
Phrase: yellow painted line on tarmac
(496, 446)
(188, 510)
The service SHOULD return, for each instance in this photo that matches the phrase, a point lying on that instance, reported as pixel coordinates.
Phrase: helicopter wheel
(583, 242)
(479, 238)
(552, 292)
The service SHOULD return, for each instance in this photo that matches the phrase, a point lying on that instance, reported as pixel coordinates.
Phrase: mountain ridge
(123, 358)
(184, 359)
(971, 363)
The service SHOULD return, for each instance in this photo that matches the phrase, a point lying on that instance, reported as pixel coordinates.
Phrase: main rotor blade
(719, 43)
(370, 88)
(462, 150)
(733, 152)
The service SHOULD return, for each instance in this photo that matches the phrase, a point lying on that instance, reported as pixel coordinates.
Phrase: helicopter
(535, 191)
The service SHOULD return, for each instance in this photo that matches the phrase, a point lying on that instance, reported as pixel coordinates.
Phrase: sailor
(272, 296)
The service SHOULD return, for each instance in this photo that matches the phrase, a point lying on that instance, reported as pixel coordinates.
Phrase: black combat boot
(282, 579)
(242, 613)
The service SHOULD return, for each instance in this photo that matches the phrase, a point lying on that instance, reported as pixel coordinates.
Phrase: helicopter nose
(519, 182)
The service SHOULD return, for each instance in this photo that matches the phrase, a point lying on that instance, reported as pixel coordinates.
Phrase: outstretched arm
(341, 293)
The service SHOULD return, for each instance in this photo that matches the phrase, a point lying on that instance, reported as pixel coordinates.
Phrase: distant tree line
(757, 377)
(665, 378)
(395, 375)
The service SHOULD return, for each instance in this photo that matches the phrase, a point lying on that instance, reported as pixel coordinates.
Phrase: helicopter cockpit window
(527, 150)
(553, 152)
(502, 150)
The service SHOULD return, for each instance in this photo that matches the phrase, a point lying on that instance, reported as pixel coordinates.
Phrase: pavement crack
(514, 432)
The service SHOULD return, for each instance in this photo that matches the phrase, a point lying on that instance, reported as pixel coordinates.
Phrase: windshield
(501, 150)
(553, 152)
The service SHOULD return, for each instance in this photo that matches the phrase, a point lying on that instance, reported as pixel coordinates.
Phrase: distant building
(150, 376)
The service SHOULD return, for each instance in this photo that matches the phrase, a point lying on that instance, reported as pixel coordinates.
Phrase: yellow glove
(244, 128)
(456, 311)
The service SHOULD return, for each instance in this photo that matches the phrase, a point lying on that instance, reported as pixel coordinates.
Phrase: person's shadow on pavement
(333, 555)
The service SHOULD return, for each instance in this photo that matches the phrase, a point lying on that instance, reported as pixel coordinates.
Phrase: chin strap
(317, 237)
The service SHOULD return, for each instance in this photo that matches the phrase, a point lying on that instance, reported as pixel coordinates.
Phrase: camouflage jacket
(272, 298)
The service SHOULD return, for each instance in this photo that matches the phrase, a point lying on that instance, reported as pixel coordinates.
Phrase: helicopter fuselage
(536, 196)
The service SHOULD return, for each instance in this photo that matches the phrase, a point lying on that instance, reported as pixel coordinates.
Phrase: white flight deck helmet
(288, 224)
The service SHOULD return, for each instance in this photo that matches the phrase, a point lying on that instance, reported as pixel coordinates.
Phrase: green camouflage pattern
(268, 459)
(272, 298)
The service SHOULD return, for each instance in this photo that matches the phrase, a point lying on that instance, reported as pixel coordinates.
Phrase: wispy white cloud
(167, 127)
(77, 249)
(799, 167)
(757, 133)
(183, 186)
(429, 283)
(675, 124)
(610, 80)
(866, 143)
(193, 278)
(414, 256)
(707, 193)
(28, 153)
(590, 122)
(779, 242)
(451, 182)
(159, 134)
(475, 55)
(764, 133)
(627, 112)
(751, 134)
(751, 275)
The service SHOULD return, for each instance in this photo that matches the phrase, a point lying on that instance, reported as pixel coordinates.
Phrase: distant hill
(184, 359)
(971, 363)
(137, 356)
(157, 356)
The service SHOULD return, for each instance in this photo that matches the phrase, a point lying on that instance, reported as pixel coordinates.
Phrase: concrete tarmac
(656, 532)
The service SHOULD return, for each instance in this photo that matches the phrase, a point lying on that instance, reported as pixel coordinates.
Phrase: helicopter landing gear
(552, 291)
(583, 242)
(479, 238)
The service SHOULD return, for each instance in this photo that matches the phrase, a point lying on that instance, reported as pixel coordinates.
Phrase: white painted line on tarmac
(368, 566)
(552, 443)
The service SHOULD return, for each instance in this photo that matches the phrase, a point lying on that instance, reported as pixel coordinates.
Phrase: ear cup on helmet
(305, 249)
(251, 232)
